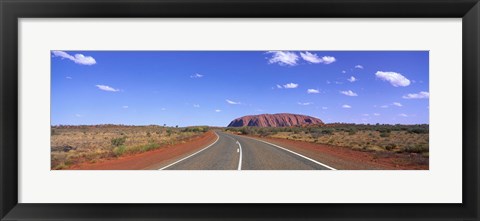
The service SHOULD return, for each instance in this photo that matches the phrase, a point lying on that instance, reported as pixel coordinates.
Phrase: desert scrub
(140, 148)
(116, 142)
(97, 142)
(119, 150)
(416, 148)
(378, 137)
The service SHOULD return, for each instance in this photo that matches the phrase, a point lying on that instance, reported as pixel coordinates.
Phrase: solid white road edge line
(240, 158)
(191, 155)
(300, 155)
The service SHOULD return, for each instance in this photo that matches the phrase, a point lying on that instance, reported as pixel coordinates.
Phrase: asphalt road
(233, 152)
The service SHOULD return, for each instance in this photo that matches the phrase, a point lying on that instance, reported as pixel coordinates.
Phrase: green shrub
(116, 142)
(264, 132)
(245, 131)
(390, 146)
(352, 131)
(119, 150)
(418, 148)
(149, 146)
(327, 131)
(418, 130)
(195, 129)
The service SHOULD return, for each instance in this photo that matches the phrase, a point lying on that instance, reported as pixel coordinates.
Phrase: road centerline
(240, 157)
(239, 150)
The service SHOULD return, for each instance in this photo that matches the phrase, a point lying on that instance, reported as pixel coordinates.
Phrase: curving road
(233, 152)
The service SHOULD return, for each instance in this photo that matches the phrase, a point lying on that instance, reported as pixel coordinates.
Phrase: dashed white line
(239, 150)
(300, 155)
(178, 161)
(240, 157)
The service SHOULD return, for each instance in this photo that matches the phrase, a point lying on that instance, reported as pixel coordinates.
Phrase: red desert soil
(348, 159)
(152, 159)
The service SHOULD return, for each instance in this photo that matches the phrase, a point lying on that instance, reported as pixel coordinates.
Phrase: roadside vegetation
(365, 137)
(71, 145)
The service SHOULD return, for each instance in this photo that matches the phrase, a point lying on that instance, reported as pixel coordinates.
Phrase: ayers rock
(275, 120)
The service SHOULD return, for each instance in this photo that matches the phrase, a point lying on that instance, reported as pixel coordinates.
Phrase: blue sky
(188, 88)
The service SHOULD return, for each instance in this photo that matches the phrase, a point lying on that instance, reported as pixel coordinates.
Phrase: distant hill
(275, 120)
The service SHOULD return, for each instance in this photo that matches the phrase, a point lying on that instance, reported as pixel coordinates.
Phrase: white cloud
(290, 85)
(217, 110)
(359, 66)
(279, 86)
(352, 79)
(196, 105)
(384, 106)
(232, 102)
(163, 109)
(196, 75)
(305, 103)
(313, 91)
(106, 88)
(283, 58)
(346, 106)
(125, 107)
(395, 79)
(376, 114)
(328, 82)
(349, 93)
(421, 95)
(328, 59)
(68, 77)
(343, 72)
(397, 104)
(78, 115)
(403, 115)
(313, 58)
(77, 58)
(324, 108)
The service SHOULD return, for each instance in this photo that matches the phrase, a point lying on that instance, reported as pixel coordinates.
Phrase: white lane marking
(240, 158)
(191, 155)
(239, 150)
(300, 155)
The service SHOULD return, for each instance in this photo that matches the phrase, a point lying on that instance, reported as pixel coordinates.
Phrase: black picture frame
(12, 10)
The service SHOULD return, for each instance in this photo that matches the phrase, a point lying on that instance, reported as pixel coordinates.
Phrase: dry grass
(391, 138)
(76, 144)
(396, 141)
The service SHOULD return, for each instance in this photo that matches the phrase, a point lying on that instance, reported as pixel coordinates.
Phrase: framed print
(239, 110)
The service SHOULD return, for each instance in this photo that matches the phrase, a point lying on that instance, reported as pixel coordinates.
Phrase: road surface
(233, 152)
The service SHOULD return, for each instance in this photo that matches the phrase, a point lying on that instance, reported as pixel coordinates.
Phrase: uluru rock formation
(275, 120)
